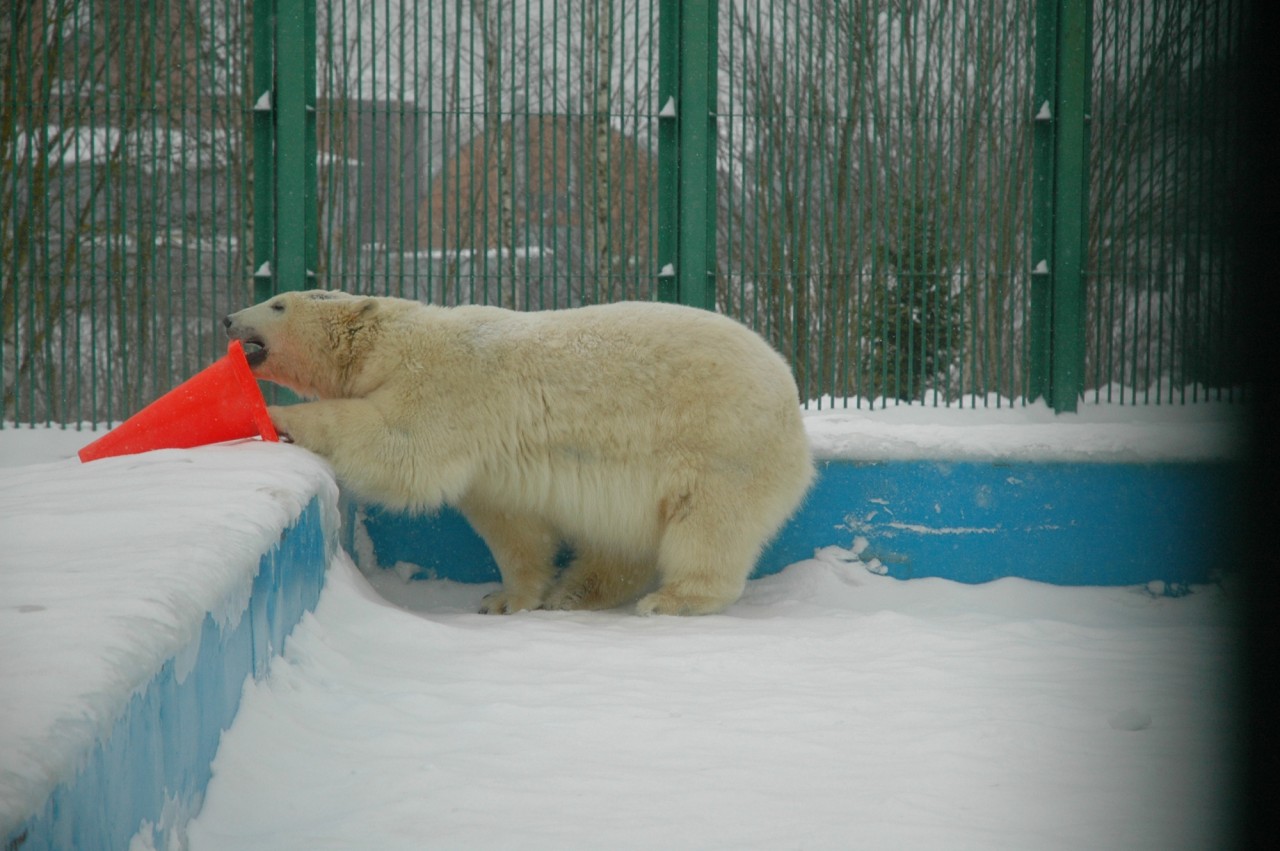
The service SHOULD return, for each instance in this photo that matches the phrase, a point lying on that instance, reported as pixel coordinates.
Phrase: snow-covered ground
(829, 708)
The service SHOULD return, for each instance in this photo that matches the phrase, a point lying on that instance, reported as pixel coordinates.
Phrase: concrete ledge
(1068, 523)
(148, 776)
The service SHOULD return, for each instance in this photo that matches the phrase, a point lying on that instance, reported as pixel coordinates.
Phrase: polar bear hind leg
(704, 558)
(699, 576)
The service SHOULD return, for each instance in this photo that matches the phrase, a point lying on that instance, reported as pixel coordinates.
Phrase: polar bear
(662, 444)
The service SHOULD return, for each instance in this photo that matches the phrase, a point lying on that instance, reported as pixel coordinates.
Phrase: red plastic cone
(222, 402)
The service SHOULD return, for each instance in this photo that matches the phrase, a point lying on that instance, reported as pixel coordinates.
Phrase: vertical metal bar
(78, 121)
(355, 120)
(112, 250)
(952, 186)
(295, 143)
(177, 351)
(393, 165)
(132, 117)
(1058, 298)
(864, 253)
(94, 324)
(41, 251)
(151, 303)
(668, 147)
(1125, 277)
(426, 234)
(311, 206)
(686, 143)
(1042, 170)
(751, 123)
(264, 178)
(892, 386)
(415, 197)
(380, 114)
(1071, 191)
(1146, 34)
(821, 200)
(1105, 276)
(9, 277)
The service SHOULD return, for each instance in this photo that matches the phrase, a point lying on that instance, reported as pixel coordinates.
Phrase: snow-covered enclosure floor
(830, 708)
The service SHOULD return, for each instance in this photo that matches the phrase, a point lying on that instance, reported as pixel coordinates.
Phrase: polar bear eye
(278, 307)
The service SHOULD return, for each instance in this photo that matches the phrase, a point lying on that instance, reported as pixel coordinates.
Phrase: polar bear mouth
(255, 351)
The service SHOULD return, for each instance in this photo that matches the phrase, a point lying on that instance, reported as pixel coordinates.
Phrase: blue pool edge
(1066, 523)
(150, 773)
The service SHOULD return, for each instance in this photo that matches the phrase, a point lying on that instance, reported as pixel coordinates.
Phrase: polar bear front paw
(504, 602)
(280, 421)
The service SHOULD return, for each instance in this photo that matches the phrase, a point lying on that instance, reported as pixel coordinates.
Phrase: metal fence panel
(1161, 293)
(123, 179)
(489, 152)
(875, 163)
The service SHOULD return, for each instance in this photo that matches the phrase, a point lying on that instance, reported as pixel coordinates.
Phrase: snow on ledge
(1101, 433)
(109, 571)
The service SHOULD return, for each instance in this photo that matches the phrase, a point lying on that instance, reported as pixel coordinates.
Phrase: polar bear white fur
(655, 440)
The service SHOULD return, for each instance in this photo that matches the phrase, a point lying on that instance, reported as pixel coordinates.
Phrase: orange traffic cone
(222, 402)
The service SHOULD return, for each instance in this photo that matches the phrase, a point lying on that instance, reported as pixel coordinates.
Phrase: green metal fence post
(687, 152)
(295, 144)
(1071, 176)
(668, 148)
(1043, 102)
(1060, 240)
(264, 181)
(285, 231)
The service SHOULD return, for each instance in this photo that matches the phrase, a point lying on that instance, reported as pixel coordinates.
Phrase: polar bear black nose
(226, 321)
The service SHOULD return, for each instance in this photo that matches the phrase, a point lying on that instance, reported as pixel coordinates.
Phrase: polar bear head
(315, 342)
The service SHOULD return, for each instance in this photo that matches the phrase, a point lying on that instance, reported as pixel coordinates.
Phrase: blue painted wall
(1065, 523)
(162, 747)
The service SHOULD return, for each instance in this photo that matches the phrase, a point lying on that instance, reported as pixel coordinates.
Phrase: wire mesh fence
(484, 152)
(877, 182)
(874, 161)
(123, 173)
(1165, 122)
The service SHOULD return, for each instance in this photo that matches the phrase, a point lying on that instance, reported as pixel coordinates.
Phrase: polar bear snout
(255, 346)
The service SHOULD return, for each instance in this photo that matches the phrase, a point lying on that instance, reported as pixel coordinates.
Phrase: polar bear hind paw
(667, 601)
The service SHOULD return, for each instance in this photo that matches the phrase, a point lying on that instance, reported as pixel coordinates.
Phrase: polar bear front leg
(367, 455)
(525, 550)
